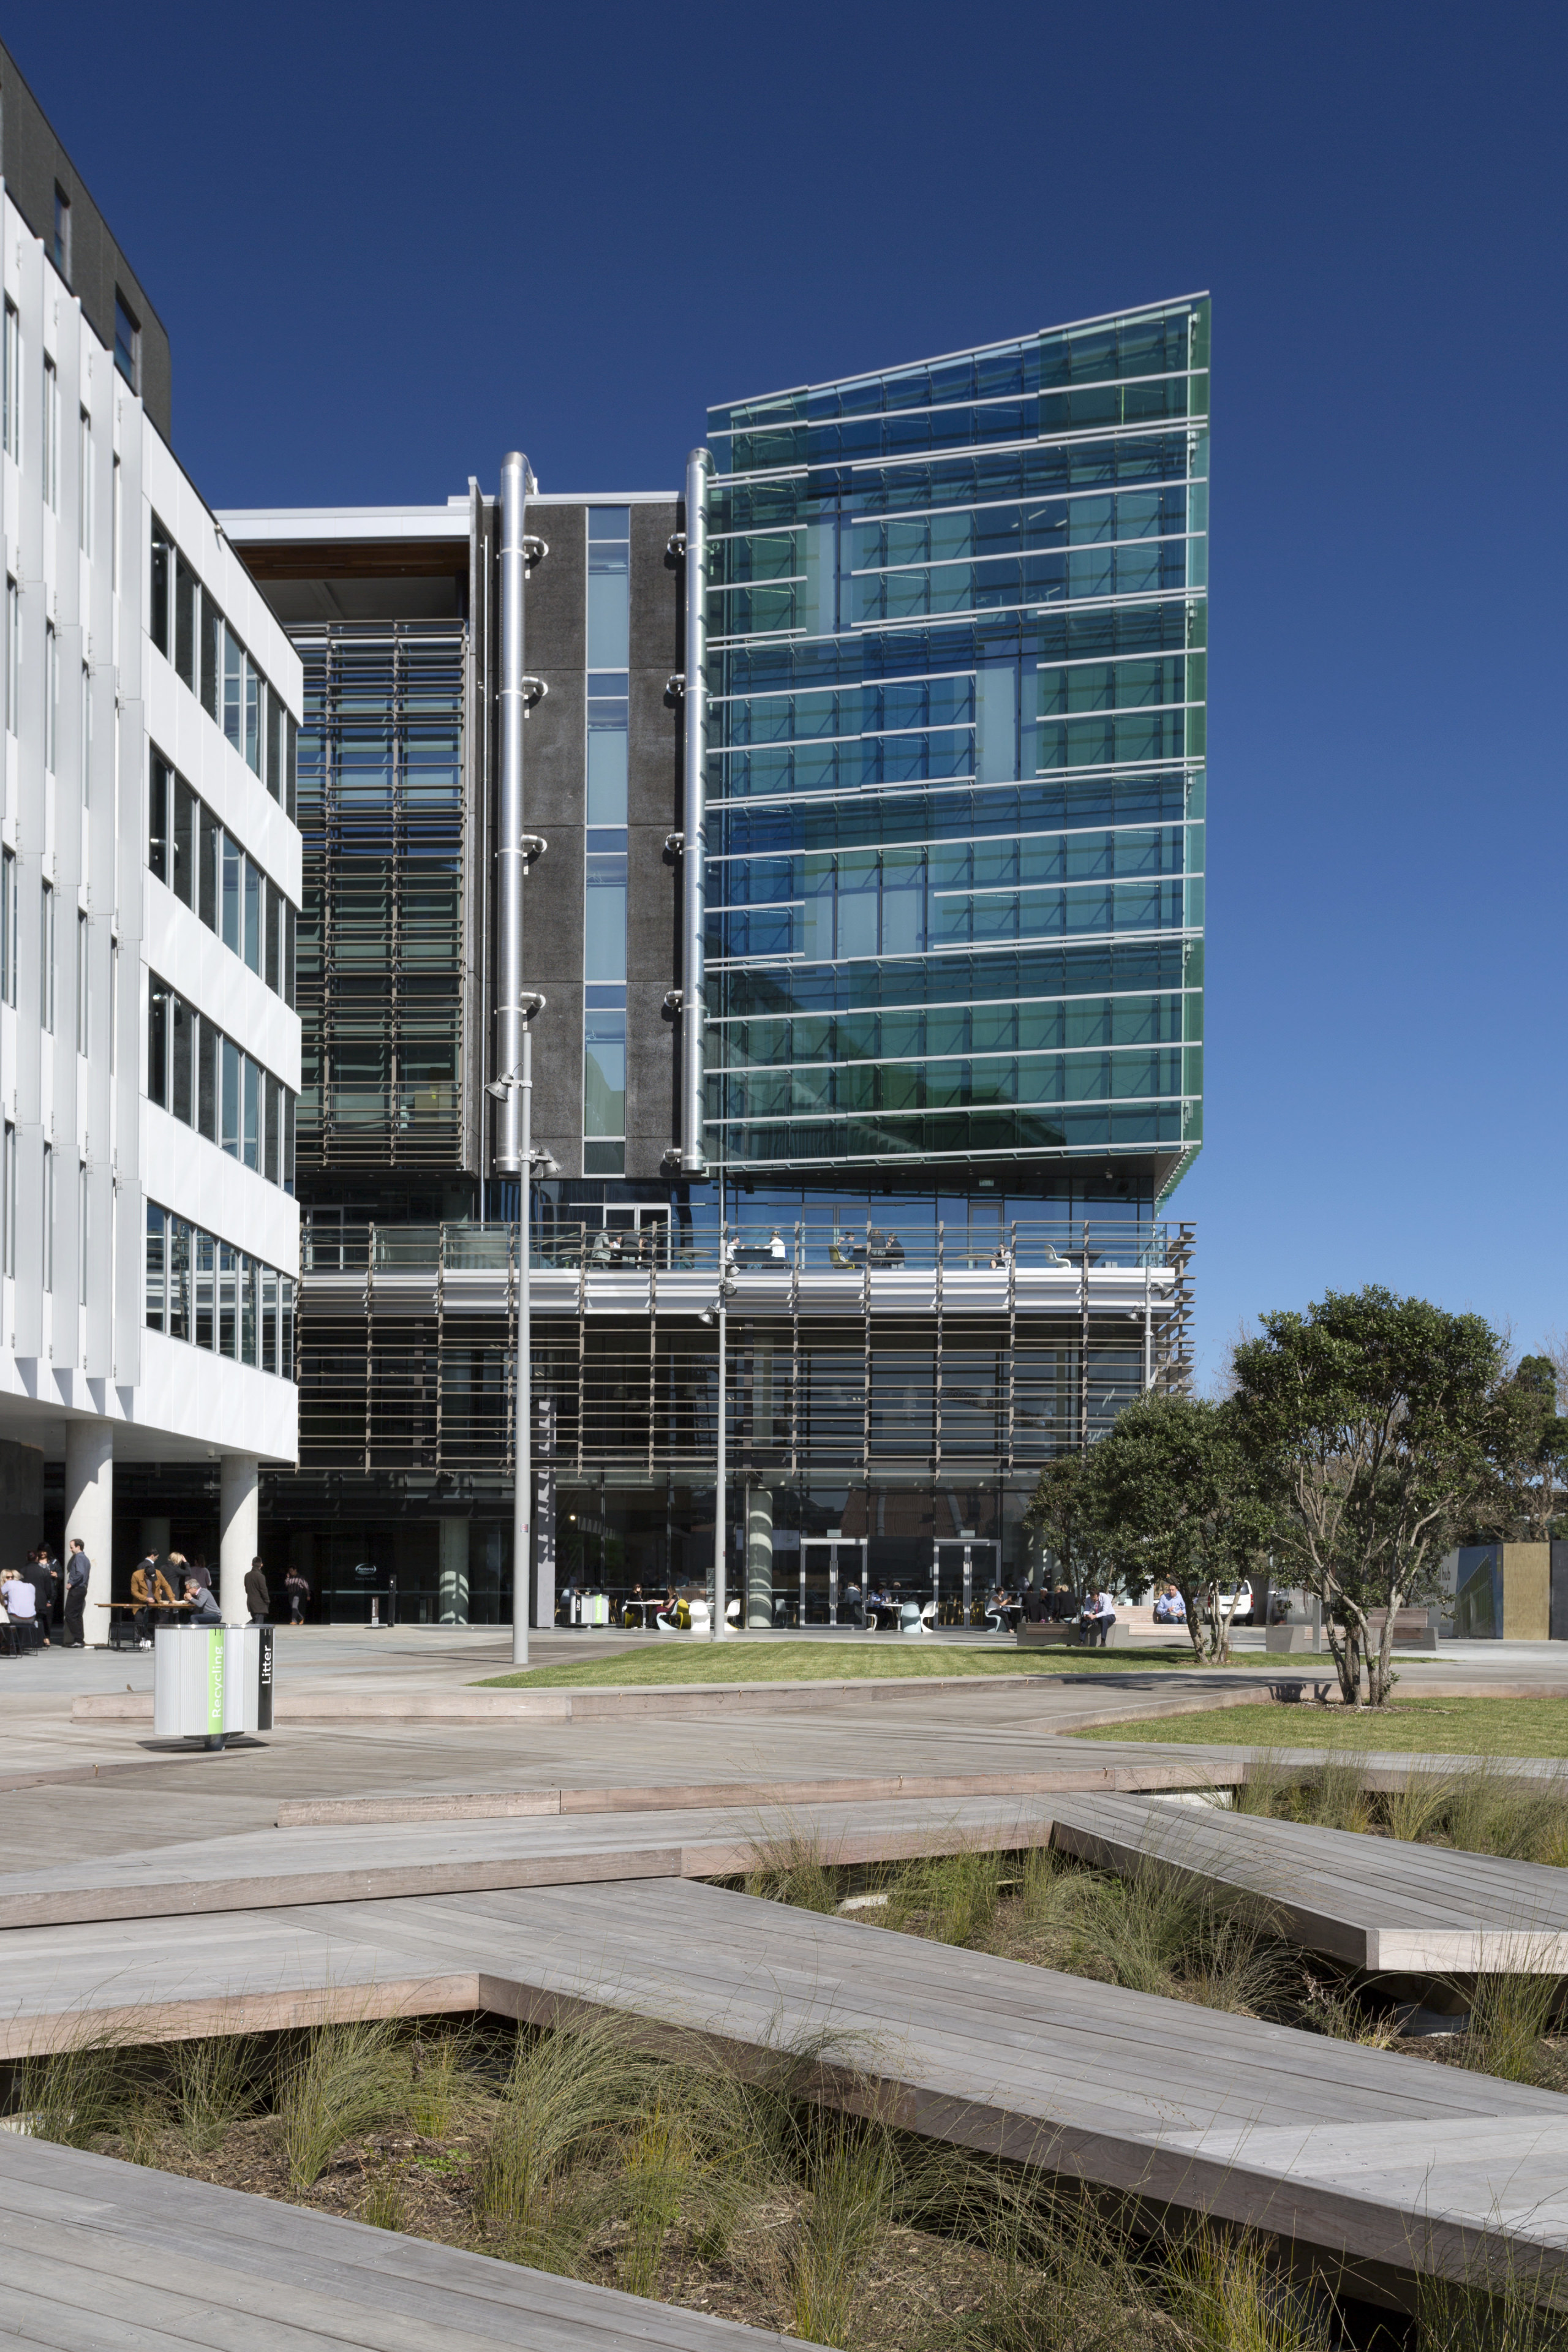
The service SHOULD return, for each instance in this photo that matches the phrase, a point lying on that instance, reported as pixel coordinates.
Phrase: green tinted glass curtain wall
(957, 622)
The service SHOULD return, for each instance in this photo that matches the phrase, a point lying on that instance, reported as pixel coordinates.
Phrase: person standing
(45, 1591)
(258, 1599)
(79, 1567)
(297, 1585)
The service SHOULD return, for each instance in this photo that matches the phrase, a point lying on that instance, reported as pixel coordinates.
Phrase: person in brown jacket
(150, 1590)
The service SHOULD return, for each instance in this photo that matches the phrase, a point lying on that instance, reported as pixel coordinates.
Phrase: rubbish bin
(210, 1682)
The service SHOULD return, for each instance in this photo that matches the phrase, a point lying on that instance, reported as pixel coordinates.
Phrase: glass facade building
(947, 629)
(957, 620)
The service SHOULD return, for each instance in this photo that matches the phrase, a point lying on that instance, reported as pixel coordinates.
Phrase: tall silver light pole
(532, 1163)
(720, 1627)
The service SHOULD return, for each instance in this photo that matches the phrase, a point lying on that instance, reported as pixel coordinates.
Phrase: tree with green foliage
(1527, 1446)
(1371, 1420)
(1058, 1513)
(1175, 1500)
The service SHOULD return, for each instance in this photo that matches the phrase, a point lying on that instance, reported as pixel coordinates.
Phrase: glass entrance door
(964, 1570)
(828, 1566)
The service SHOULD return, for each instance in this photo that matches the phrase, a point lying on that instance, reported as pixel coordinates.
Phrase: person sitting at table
(837, 1252)
(151, 1592)
(634, 1613)
(201, 1609)
(893, 1253)
(776, 1246)
(16, 1592)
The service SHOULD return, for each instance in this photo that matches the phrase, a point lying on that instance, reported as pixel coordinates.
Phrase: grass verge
(1421, 1726)
(687, 1658)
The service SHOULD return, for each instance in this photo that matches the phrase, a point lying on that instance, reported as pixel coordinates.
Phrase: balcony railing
(746, 1247)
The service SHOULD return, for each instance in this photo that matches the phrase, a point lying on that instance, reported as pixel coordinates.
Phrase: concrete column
(238, 1533)
(154, 1535)
(89, 1513)
(453, 1572)
(759, 1555)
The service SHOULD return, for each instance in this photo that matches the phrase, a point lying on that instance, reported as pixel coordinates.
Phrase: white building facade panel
(84, 926)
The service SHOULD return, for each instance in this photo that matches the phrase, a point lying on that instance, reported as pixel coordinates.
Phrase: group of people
(166, 1589)
(28, 1595)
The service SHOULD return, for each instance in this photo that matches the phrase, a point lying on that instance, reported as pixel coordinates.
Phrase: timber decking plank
(1377, 1901)
(184, 2260)
(1142, 2096)
(268, 1868)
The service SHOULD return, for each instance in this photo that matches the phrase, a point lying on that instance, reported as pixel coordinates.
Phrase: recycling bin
(210, 1682)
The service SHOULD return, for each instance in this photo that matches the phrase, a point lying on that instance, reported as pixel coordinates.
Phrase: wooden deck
(100, 2253)
(336, 1862)
(1392, 2164)
(1377, 1903)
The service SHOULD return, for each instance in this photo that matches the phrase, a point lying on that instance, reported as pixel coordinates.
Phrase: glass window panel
(183, 871)
(270, 1131)
(228, 1300)
(604, 1074)
(857, 906)
(157, 1270)
(250, 1151)
(248, 1335)
(605, 927)
(182, 1038)
(609, 565)
(203, 1251)
(606, 760)
(179, 1279)
(254, 884)
(206, 1080)
(234, 672)
(230, 1112)
(160, 795)
(186, 604)
(214, 631)
(269, 1319)
(157, 1043)
(208, 863)
(233, 884)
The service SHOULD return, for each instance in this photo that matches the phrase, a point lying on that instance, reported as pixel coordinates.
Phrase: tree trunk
(1380, 1677)
(1348, 1644)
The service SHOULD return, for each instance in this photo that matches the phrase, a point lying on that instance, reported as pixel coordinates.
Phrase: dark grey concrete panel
(656, 589)
(33, 164)
(556, 603)
(653, 752)
(554, 751)
(653, 1117)
(558, 1068)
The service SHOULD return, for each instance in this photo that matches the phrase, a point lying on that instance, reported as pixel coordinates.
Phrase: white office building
(149, 1049)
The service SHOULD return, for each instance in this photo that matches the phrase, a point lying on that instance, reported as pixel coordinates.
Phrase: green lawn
(1434, 1726)
(691, 1659)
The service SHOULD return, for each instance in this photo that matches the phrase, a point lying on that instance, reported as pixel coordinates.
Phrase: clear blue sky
(389, 242)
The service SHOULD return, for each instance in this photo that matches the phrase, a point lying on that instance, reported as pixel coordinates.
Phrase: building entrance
(961, 1569)
(829, 1565)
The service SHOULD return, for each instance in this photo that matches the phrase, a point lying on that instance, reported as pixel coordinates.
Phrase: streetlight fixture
(532, 1163)
(719, 1630)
